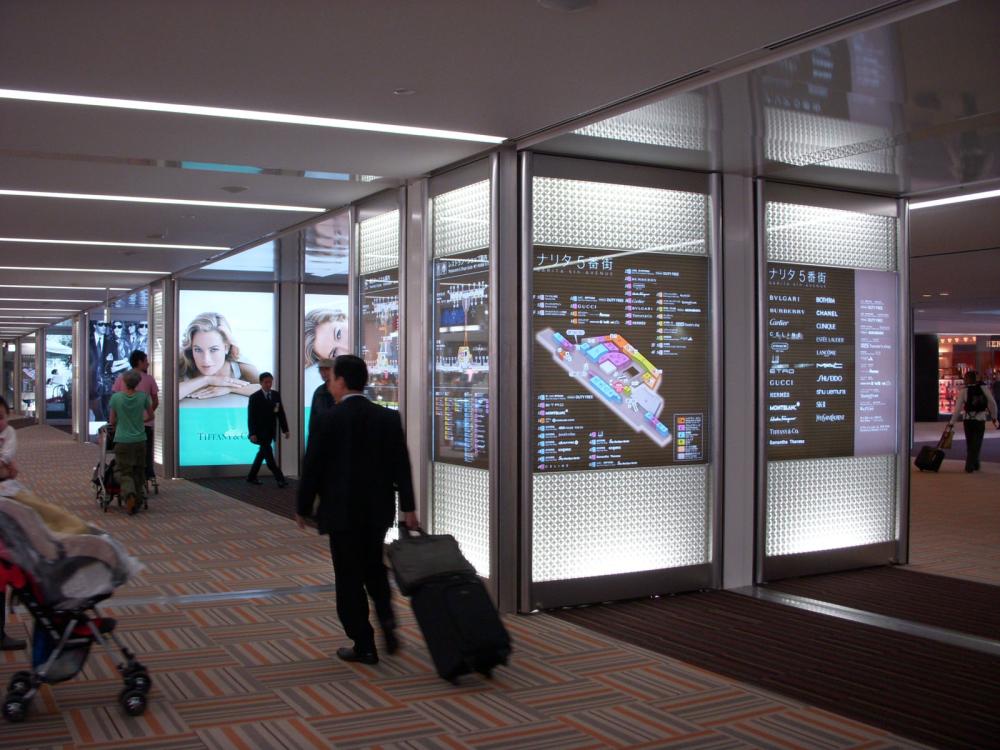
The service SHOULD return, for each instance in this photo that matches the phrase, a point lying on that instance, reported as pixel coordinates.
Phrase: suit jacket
(262, 415)
(322, 402)
(356, 462)
(100, 368)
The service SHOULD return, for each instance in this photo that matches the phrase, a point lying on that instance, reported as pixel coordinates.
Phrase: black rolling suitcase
(929, 459)
(461, 626)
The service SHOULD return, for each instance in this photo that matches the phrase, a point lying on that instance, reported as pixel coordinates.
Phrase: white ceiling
(498, 67)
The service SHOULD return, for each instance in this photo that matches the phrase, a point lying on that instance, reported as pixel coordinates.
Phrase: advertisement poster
(380, 336)
(109, 347)
(226, 339)
(327, 247)
(831, 362)
(620, 367)
(326, 334)
(59, 376)
(461, 359)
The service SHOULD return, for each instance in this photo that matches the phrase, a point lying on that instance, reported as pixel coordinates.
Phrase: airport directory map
(620, 366)
(380, 335)
(461, 358)
(831, 362)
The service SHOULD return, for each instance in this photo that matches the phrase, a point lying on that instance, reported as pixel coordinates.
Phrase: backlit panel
(677, 122)
(462, 509)
(462, 219)
(815, 235)
(158, 335)
(601, 523)
(378, 242)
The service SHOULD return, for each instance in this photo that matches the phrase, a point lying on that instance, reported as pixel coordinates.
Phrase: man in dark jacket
(322, 400)
(356, 462)
(264, 412)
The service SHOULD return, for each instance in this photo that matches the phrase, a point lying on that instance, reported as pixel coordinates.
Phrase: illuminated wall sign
(621, 359)
(461, 358)
(380, 335)
(226, 339)
(831, 364)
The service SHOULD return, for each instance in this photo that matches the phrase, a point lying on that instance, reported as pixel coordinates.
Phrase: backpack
(975, 400)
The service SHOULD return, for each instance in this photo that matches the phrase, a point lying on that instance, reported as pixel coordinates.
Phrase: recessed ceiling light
(166, 201)
(404, 92)
(943, 294)
(246, 114)
(85, 270)
(33, 299)
(926, 295)
(955, 199)
(97, 243)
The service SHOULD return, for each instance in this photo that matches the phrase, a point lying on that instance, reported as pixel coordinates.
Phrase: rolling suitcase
(929, 459)
(461, 626)
(418, 557)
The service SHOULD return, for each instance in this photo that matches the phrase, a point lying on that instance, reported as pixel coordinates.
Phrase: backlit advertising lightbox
(461, 358)
(380, 335)
(226, 339)
(326, 334)
(831, 362)
(621, 352)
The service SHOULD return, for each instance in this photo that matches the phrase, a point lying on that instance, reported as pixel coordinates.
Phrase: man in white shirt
(974, 405)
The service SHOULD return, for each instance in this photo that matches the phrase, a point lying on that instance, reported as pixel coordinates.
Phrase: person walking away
(974, 405)
(8, 471)
(357, 462)
(140, 363)
(264, 412)
(128, 410)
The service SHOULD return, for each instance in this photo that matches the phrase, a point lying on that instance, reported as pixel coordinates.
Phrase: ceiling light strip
(955, 199)
(74, 288)
(85, 270)
(39, 299)
(246, 114)
(159, 201)
(40, 309)
(96, 243)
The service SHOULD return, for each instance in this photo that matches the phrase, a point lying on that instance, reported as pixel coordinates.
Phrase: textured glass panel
(604, 216)
(156, 365)
(677, 122)
(803, 138)
(462, 509)
(462, 219)
(830, 503)
(601, 523)
(815, 235)
(378, 242)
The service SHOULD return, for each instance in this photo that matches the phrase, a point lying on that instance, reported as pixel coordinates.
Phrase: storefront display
(957, 354)
(59, 374)
(380, 336)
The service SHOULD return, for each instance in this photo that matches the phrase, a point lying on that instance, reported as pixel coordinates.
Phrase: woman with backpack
(974, 405)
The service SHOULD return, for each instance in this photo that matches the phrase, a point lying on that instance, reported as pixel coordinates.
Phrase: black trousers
(150, 471)
(265, 454)
(358, 573)
(975, 429)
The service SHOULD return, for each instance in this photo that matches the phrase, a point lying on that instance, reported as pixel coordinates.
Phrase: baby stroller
(60, 579)
(105, 477)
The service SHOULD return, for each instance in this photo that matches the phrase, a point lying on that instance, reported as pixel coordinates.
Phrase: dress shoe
(254, 480)
(348, 653)
(11, 644)
(282, 483)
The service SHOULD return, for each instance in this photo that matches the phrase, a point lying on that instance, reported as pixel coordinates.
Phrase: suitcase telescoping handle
(945, 442)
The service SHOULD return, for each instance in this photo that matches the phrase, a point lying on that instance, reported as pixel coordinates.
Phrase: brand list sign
(831, 364)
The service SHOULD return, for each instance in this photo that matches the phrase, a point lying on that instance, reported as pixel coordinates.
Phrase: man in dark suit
(322, 400)
(264, 412)
(356, 462)
(101, 348)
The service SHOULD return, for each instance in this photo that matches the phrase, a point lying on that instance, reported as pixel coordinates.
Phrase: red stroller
(60, 580)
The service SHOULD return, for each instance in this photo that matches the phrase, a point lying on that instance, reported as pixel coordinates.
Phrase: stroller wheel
(133, 702)
(20, 683)
(15, 708)
(138, 679)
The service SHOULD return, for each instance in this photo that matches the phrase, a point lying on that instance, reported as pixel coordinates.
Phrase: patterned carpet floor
(259, 672)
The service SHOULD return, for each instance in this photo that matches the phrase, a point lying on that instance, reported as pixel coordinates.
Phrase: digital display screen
(831, 362)
(380, 336)
(226, 339)
(620, 370)
(326, 335)
(461, 358)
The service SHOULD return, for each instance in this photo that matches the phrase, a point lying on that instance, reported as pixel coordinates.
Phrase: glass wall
(9, 380)
(59, 374)
(460, 284)
(28, 377)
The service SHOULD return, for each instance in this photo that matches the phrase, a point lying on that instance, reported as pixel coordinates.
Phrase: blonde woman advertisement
(226, 342)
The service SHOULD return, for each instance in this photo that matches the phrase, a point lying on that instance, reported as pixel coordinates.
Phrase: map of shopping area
(617, 374)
